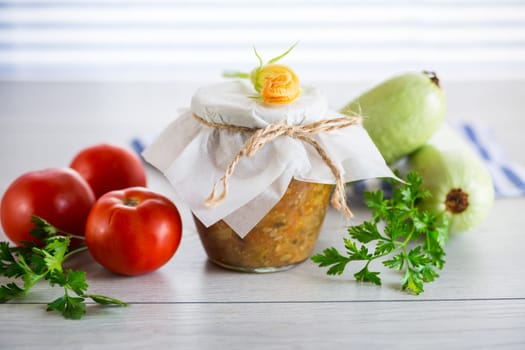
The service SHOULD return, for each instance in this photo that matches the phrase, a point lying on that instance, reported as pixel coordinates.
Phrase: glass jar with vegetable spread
(283, 238)
(257, 163)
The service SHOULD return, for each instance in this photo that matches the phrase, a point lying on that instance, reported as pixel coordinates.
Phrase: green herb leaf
(9, 267)
(54, 252)
(410, 240)
(104, 300)
(10, 291)
(396, 262)
(376, 202)
(413, 281)
(32, 264)
(356, 252)
(43, 228)
(70, 307)
(384, 247)
(29, 277)
(366, 276)
(331, 257)
(76, 280)
(365, 233)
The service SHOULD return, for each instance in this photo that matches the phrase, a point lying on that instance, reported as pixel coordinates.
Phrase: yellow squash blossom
(275, 83)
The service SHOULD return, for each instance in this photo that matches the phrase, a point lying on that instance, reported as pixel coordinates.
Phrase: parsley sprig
(30, 264)
(410, 240)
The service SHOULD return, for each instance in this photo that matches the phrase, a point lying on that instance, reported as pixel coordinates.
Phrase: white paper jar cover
(193, 156)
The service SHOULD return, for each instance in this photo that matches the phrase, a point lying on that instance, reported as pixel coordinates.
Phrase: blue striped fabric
(507, 175)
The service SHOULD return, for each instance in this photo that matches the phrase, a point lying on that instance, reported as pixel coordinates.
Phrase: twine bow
(262, 136)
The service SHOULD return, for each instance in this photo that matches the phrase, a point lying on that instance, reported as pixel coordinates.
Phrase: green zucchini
(459, 182)
(402, 113)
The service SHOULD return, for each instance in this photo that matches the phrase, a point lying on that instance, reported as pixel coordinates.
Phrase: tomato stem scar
(130, 202)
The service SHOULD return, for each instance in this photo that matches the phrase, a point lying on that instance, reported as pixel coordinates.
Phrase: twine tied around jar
(262, 136)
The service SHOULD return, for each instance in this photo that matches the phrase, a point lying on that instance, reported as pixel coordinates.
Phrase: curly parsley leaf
(9, 266)
(397, 262)
(331, 257)
(42, 228)
(10, 291)
(365, 233)
(70, 307)
(32, 264)
(367, 276)
(410, 240)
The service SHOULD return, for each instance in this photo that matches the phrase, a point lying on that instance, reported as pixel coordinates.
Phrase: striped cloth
(507, 175)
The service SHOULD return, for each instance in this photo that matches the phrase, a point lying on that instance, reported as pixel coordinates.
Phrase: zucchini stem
(456, 201)
(433, 77)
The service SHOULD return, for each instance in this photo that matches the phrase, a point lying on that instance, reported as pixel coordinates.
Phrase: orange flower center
(277, 83)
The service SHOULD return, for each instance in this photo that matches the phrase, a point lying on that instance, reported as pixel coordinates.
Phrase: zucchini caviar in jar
(284, 237)
(257, 160)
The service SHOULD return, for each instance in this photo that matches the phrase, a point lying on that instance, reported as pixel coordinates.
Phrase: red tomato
(108, 167)
(59, 195)
(133, 231)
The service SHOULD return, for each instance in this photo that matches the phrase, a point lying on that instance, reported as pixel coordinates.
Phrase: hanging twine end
(213, 200)
(339, 203)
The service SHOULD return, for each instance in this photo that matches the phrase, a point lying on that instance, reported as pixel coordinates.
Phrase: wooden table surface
(478, 302)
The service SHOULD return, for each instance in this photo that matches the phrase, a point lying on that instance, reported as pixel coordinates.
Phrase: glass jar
(283, 238)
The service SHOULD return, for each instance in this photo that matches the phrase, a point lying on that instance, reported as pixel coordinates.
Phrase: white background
(197, 40)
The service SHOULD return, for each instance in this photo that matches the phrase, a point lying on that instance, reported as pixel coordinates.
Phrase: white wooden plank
(376, 325)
